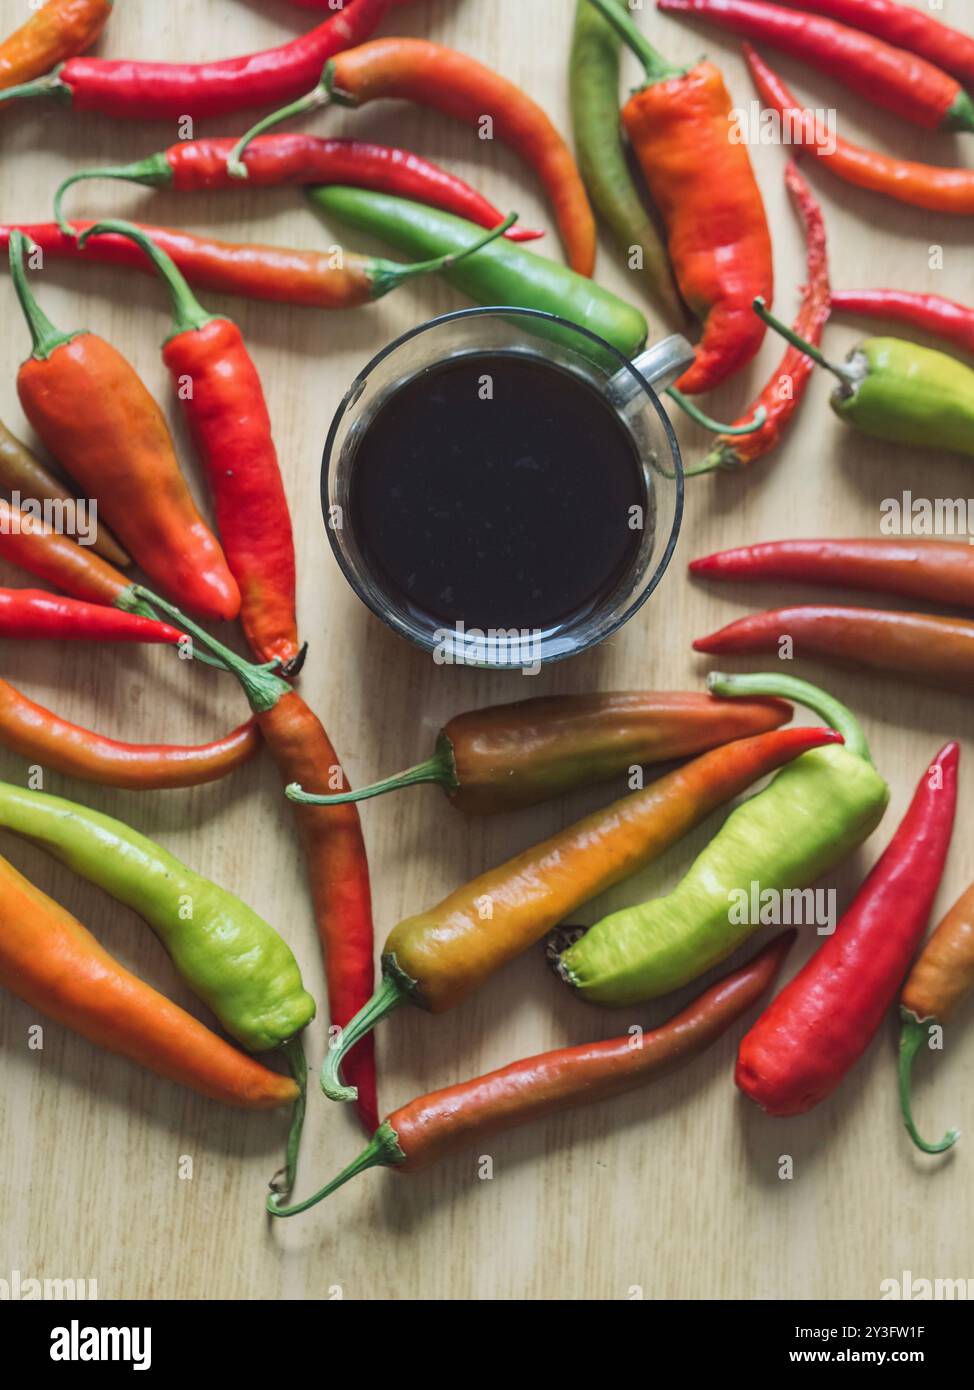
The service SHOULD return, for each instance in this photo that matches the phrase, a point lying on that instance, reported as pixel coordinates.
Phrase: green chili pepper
(811, 816)
(898, 391)
(501, 273)
(594, 85)
(231, 958)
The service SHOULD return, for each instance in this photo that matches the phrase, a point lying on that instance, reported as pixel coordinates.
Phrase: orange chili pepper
(456, 85)
(40, 736)
(921, 185)
(54, 963)
(57, 31)
(95, 415)
(33, 546)
(679, 126)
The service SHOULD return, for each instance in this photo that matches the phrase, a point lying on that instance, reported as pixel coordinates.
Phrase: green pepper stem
(912, 1037)
(262, 686)
(432, 770)
(657, 67)
(48, 86)
(188, 313)
(757, 421)
(282, 1183)
(45, 338)
(959, 114)
(382, 1151)
(827, 707)
(848, 379)
(155, 171)
(392, 992)
(321, 94)
(389, 275)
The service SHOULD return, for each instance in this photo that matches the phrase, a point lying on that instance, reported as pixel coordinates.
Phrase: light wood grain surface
(673, 1192)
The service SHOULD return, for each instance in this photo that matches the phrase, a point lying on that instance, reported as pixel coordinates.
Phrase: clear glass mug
(627, 386)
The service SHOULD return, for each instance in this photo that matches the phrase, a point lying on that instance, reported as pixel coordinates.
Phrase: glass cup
(626, 386)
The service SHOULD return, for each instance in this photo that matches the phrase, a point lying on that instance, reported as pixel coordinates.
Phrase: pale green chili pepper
(229, 956)
(811, 816)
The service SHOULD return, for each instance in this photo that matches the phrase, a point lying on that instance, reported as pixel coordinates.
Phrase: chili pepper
(42, 737)
(823, 1020)
(228, 418)
(916, 645)
(229, 956)
(497, 274)
(273, 160)
(455, 85)
(898, 391)
(94, 414)
(149, 91)
(334, 279)
(439, 957)
(26, 614)
(899, 81)
(941, 976)
(929, 186)
(332, 839)
(904, 26)
(594, 83)
(783, 393)
(942, 317)
(510, 756)
(22, 473)
(811, 817)
(56, 31)
(704, 187)
(51, 961)
(436, 1125)
(35, 547)
(941, 571)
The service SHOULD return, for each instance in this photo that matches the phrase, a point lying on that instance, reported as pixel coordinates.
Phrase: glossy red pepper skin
(917, 646)
(272, 161)
(228, 419)
(888, 76)
(26, 614)
(944, 318)
(821, 1023)
(906, 26)
(147, 91)
(938, 571)
(783, 393)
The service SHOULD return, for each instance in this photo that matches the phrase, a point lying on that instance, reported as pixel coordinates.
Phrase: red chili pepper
(940, 571)
(920, 185)
(944, 318)
(95, 415)
(783, 393)
(227, 415)
(137, 91)
(915, 645)
(821, 1023)
(458, 86)
(27, 614)
(40, 736)
(316, 279)
(913, 88)
(272, 160)
(906, 26)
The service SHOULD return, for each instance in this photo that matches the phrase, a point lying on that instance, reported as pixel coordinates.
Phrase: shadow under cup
(518, 339)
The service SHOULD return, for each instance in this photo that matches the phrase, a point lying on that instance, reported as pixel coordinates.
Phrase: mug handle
(659, 366)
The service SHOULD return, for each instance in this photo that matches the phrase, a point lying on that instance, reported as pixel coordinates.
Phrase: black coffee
(498, 490)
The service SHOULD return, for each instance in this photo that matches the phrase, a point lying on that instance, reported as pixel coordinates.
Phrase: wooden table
(674, 1192)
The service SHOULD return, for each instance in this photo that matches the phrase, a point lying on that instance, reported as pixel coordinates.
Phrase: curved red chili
(147, 91)
(821, 1023)
(944, 318)
(190, 166)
